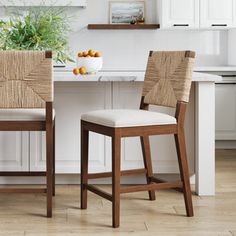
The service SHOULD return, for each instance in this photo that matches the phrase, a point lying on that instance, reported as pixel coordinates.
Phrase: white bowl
(92, 64)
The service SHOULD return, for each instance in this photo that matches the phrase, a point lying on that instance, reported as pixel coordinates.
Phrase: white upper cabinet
(195, 14)
(178, 14)
(217, 13)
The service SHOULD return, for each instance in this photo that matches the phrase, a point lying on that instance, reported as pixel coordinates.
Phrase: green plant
(40, 28)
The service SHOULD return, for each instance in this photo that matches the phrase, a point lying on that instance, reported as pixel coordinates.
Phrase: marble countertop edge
(123, 76)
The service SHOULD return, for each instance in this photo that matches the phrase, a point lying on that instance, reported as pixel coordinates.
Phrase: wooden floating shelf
(122, 26)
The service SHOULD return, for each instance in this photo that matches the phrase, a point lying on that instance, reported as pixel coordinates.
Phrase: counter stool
(167, 83)
(26, 104)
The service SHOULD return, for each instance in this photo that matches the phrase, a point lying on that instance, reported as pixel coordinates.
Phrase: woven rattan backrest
(168, 78)
(26, 79)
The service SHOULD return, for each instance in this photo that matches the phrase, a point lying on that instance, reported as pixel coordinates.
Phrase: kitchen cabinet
(14, 151)
(196, 14)
(226, 111)
(70, 102)
(23, 151)
(178, 14)
(217, 13)
(225, 104)
(106, 90)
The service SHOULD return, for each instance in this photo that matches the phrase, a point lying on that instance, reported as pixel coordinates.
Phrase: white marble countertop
(65, 75)
(225, 68)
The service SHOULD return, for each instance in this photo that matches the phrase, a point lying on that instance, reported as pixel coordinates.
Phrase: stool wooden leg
(116, 145)
(184, 172)
(84, 165)
(147, 163)
(49, 141)
(54, 164)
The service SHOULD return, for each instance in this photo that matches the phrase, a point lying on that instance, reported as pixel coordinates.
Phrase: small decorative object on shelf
(132, 22)
(141, 21)
(88, 62)
(126, 12)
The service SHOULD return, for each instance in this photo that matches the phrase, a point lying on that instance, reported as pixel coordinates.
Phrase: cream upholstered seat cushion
(23, 114)
(127, 118)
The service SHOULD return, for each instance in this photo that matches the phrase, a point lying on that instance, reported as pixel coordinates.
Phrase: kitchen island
(24, 151)
(122, 89)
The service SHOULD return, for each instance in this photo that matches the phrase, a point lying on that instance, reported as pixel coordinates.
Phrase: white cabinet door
(217, 13)
(127, 96)
(225, 112)
(178, 14)
(71, 101)
(14, 151)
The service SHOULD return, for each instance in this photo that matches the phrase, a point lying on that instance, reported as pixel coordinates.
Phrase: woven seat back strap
(168, 78)
(26, 79)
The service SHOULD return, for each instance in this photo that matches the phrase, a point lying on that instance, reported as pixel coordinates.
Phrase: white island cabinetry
(108, 90)
(14, 151)
(71, 101)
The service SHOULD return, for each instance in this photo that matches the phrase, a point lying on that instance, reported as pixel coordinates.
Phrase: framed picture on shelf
(127, 12)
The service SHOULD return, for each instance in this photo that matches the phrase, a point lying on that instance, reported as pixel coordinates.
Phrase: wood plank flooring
(24, 214)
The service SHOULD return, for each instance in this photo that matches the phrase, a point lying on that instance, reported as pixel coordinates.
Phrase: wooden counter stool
(167, 83)
(26, 104)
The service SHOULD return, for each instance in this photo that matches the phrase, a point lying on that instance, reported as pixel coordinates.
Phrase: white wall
(232, 47)
(129, 49)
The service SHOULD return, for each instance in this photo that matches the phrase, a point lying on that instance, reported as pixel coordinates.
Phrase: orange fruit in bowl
(76, 71)
(84, 54)
(91, 53)
(80, 54)
(82, 70)
(88, 55)
(98, 54)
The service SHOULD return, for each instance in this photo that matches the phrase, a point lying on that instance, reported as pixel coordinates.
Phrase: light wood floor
(22, 214)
